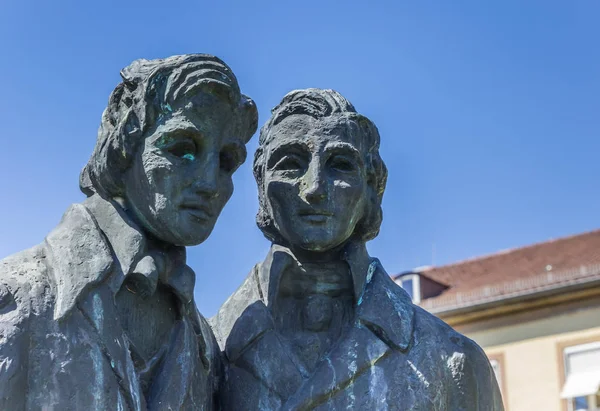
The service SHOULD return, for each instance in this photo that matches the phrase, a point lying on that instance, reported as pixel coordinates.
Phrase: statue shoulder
(29, 293)
(222, 323)
(28, 278)
(432, 330)
(25, 294)
(25, 283)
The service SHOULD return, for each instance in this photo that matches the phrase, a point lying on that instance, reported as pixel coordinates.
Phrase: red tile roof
(525, 270)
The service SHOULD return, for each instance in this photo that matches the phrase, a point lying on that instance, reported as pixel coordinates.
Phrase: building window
(497, 363)
(585, 403)
(582, 371)
(412, 285)
(496, 367)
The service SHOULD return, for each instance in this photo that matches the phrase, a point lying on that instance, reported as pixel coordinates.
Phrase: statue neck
(317, 273)
(308, 256)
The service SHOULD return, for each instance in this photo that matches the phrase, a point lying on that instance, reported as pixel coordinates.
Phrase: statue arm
(488, 395)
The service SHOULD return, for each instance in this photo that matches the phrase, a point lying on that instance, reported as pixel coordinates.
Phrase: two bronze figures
(101, 315)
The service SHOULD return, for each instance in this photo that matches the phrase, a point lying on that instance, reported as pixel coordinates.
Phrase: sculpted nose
(314, 185)
(206, 179)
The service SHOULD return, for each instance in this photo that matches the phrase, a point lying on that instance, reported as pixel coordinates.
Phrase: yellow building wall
(530, 350)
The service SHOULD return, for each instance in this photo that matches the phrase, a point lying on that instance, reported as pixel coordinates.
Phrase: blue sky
(488, 112)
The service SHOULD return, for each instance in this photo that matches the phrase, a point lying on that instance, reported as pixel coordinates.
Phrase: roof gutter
(541, 286)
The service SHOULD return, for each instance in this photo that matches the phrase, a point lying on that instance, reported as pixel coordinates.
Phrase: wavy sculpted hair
(319, 103)
(145, 96)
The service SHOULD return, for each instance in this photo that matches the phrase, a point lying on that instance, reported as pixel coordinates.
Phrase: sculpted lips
(197, 210)
(315, 216)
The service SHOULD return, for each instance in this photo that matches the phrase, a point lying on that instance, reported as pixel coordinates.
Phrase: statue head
(320, 177)
(170, 139)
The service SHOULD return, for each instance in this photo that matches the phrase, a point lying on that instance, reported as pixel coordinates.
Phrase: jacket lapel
(79, 257)
(386, 309)
(255, 346)
(358, 352)
(98, 308)
(78, 268)
(172, 382)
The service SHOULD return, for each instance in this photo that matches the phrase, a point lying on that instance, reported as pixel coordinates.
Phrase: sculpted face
(181, 176)
(315, 180)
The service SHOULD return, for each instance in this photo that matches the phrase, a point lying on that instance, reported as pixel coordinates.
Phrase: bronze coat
(62, 346)
(394, 356)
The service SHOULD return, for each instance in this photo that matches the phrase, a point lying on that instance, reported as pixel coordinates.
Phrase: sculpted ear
(112, 156)
(129, 133)
(258, 169)
(250, 116)
(126, 143)
(121, 147)
(85, 182)
(263, 218)
(257, 166)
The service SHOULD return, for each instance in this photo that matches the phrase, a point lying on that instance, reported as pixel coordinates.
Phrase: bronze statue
(319, 324)
(101, 315)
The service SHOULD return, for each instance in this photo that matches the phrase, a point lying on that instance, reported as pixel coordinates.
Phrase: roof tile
(526, 265)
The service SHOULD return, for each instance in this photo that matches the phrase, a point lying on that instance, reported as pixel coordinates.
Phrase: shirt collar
(139, 259)
(280, 258)
(381, 305)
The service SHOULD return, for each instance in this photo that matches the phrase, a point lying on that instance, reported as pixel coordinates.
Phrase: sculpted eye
(342, 164)
(185, 149)
(289, 163)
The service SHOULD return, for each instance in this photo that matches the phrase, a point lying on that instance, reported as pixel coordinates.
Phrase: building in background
(535, 311)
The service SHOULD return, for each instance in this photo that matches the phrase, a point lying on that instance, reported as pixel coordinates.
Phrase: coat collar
(100, 240)
(375, 301)
(381, 306)
(281, 258)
